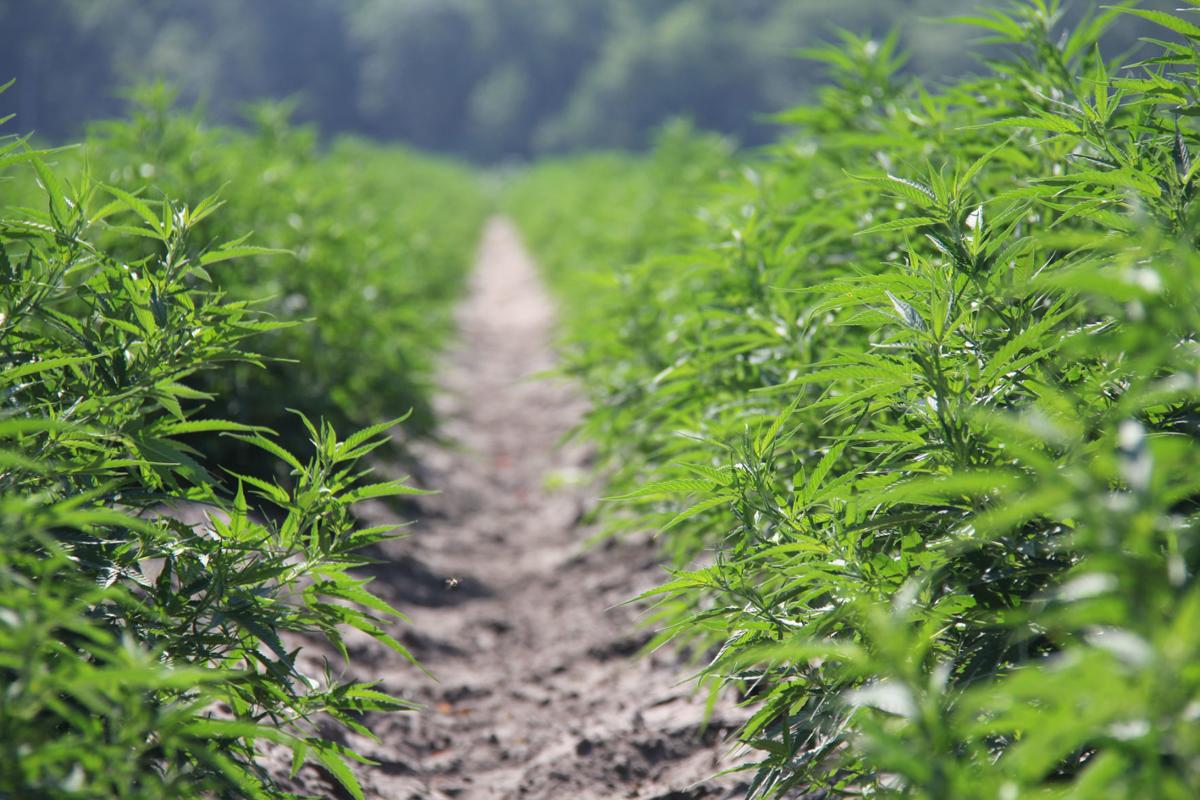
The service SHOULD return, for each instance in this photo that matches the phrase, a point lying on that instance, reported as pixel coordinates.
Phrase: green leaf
(139, 207)
(330, 757)
(666, 488)
(241, 251)
(1169, 21)
(12, 374)
(180, 428)
(699, 508)
(384, 489)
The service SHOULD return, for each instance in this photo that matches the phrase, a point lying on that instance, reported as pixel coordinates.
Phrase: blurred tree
(417, 70)
(695, 60)
(498, 108)
(488, 79)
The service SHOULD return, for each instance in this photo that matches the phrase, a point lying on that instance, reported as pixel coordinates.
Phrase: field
(889, 448)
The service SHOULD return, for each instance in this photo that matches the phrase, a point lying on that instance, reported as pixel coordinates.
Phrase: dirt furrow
(521, 622)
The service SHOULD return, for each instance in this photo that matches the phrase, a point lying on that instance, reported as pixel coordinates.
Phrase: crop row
(912, 398)
(148, 589)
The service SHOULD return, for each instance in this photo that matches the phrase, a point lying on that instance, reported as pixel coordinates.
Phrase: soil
(540, 691)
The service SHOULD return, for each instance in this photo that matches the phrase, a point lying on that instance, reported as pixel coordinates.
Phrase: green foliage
(913, 399)
(367, 245)
(150, 615)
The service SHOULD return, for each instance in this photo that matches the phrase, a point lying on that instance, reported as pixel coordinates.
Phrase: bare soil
(539, 692)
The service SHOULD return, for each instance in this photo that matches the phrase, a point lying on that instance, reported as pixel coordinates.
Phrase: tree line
(487, 79)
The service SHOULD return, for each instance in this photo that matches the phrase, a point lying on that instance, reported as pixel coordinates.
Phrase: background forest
(487, 79)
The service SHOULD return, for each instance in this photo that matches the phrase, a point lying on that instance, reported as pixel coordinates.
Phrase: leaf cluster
(367, 245)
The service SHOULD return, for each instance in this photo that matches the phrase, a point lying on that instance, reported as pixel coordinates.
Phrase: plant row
(152, 599)
(913, 398)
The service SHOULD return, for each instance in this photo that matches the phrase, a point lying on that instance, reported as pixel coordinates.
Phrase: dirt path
(538, 696)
